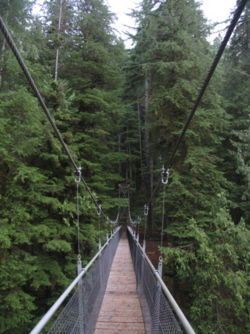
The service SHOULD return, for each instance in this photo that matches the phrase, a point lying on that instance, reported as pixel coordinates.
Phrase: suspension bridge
(119, 290)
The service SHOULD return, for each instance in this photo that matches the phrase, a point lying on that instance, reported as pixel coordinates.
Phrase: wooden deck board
(121, 311)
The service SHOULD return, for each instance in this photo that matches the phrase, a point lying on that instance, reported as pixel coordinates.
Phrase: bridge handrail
(180, 315)
(45, 319)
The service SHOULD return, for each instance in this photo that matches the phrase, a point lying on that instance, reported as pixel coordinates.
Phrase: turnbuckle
(164, 175)
(99, 209)
(78, 175)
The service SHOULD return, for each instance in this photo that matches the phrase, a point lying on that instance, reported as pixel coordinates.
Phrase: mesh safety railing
(161, 312)
(76, 311)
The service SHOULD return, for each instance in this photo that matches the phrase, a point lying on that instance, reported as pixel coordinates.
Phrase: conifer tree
(38, 243)
(172, 49)
(236, 91)
(92, 68)
(172, 53)
(32, 211)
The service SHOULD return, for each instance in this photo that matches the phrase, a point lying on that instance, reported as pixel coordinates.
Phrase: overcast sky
(214, 11)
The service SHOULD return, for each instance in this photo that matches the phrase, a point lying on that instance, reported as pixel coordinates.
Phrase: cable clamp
(164, 175)
(78, 175)
(145, 210)
(99, 210)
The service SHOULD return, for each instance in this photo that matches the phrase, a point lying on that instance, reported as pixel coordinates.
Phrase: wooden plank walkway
(121, 311)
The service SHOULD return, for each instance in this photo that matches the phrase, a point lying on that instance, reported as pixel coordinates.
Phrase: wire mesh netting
(161, 316)
(80, 314)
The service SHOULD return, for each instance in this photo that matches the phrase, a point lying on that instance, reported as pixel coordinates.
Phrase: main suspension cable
(37, 93)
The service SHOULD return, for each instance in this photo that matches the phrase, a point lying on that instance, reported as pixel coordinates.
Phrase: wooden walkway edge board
(121, 310)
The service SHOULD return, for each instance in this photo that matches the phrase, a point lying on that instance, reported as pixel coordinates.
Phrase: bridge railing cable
(44, 107)
(80, 303)
(165, 316)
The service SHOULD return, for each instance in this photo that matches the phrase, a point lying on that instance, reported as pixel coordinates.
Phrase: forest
(120, 111)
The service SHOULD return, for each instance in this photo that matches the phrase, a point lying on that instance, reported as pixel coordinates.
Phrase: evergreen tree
(92, 68)
(172, 56)
(214, 264)
(123, 130)
(172, 49)
(38, 244)
(236, 91)
(10, 11)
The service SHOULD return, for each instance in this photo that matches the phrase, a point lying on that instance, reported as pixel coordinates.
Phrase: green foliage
(165, 71)
(121, 113)
(214, 265)
(236, 92)
(38, 239)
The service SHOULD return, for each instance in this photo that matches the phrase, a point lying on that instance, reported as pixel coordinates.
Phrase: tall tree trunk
(130, 163)
(2, 61)
(140, 139)
(3, 49)
(119, 150)
(58, 34)
(148, 156)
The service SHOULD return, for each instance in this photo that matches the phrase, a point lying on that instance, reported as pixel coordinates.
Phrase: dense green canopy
(121, 111)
